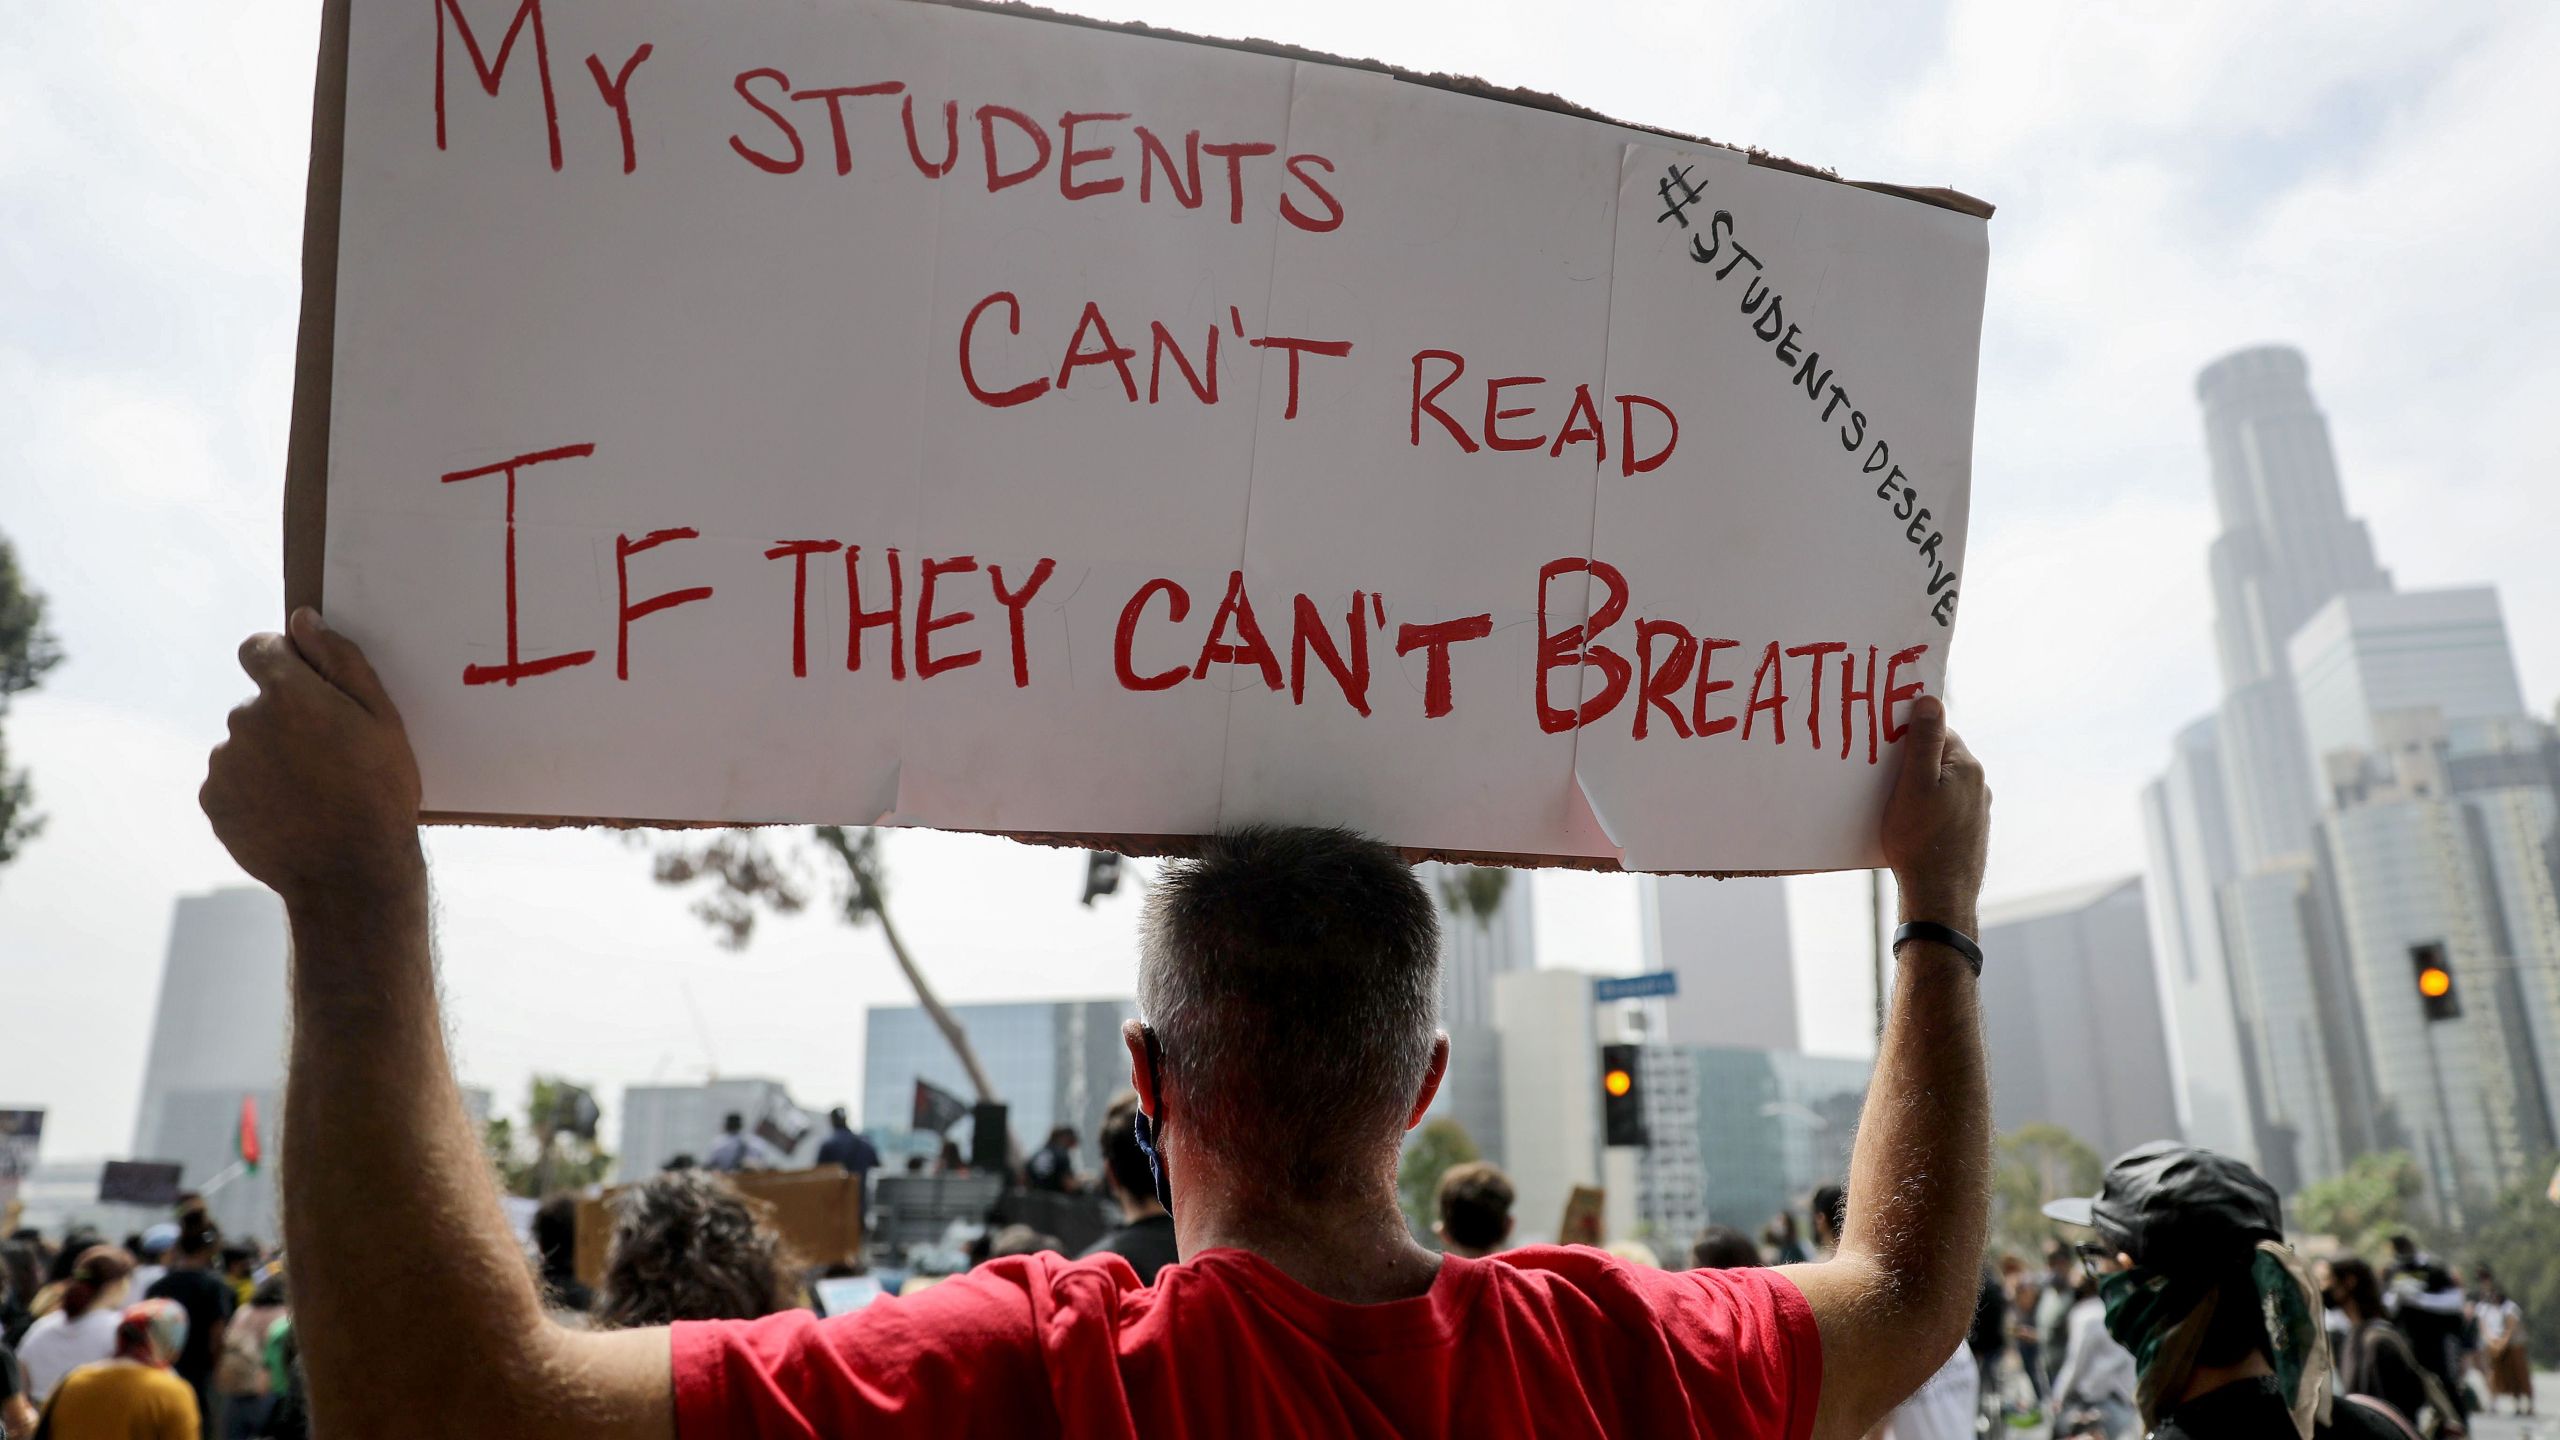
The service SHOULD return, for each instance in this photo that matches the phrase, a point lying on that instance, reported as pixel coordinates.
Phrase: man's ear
(1431, 1077)
(1142, 1070)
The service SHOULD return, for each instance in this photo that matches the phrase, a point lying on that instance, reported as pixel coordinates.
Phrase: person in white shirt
(2503, 1361)
(2097, 1373)
(148, 1255)
(1948, 1402)
(82, 1329)
(1943, 1408)
(737, 1150)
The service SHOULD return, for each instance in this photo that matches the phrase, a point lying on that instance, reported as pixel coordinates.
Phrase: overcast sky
(2375, 183)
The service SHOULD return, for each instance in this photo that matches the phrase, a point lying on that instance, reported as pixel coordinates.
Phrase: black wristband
(1947, 935)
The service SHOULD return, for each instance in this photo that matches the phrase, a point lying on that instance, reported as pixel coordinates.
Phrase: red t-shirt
(1547, 1341)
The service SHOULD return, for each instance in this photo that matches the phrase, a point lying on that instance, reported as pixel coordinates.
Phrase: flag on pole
(937, 1109)
(246, 1142)
(782, 1124)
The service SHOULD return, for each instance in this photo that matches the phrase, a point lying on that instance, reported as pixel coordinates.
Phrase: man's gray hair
(1292, 977)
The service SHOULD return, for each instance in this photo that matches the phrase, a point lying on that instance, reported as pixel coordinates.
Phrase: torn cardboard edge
(1136, 846)
(306, 468)
(1943, 198)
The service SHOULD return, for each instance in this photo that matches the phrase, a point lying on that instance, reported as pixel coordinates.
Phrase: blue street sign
(1636, 987)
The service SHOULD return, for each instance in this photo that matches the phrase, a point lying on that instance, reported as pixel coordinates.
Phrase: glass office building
(1051, 1062)
(1771, 1126)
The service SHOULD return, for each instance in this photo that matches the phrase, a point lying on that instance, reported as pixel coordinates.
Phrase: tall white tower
(1729, 943)
(2287, 546)
(218, 1036)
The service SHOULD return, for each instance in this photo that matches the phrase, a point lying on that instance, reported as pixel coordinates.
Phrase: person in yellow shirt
(134, 1395)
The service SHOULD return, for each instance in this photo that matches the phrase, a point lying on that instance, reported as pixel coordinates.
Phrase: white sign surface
(878, 412)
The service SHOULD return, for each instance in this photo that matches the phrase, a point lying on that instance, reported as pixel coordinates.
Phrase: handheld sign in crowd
(139, 1182)
(21, 1137)
(874, 411)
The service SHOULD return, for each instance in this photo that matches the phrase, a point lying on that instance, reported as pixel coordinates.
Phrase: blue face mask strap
(1146, 1127)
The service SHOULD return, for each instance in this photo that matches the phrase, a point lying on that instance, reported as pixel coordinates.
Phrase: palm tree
(746, 874)
(1474, 890)
(863, 899)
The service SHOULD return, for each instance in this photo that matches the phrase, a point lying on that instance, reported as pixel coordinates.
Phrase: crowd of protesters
(174, 1333)
(2410, 1343)
(1259, 1275)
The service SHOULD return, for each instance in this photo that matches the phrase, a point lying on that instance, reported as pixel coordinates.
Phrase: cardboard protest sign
(140, 1182)
(887, 412)
(817, 1213)
(21, 1138)
(1581, 1222)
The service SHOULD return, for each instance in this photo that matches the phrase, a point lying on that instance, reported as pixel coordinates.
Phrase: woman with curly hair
(687, 1246)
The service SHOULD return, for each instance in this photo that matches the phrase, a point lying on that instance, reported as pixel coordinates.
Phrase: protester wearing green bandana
(2222, 1319)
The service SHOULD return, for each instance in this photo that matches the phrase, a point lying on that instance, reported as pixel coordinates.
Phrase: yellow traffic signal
(1621, 1097)
(2432, 968)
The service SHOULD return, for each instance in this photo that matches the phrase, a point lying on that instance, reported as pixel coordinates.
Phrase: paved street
(2544, 1425)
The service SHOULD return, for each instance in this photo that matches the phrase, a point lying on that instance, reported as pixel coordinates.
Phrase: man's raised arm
(1898, 1298)
(414, 1307)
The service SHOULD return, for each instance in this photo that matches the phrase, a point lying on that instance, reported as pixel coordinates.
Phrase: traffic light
(1621, 1096)
(2437, 999)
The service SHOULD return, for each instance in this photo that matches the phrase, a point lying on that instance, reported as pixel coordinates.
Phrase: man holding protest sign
(1303, 1303)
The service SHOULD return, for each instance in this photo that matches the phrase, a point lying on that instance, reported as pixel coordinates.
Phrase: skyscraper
(2439, 797)
(2508, 773)
(2186, 824)
(2071, 1017)
(1728, 942)
(1772, 1126)
(2363, 655)
(217, 1038)
(1671, 1169)
(1550, 1093)
(2237, 918)
(2456, 1092)
(2371, 790)
(2287, 545)
(2308, 1083)
(1475, 950)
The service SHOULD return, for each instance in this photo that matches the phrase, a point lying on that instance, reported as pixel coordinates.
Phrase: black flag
(574, 1112)
(937, 1109)
(782, 1124)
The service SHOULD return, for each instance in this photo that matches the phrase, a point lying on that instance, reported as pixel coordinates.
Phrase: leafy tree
(547, 1154)
(2036, 1164)
(745, 871)
(1475, 891)
(1439, 1144)
(27, 651)
(2368, 1204)
(2521, 1243)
